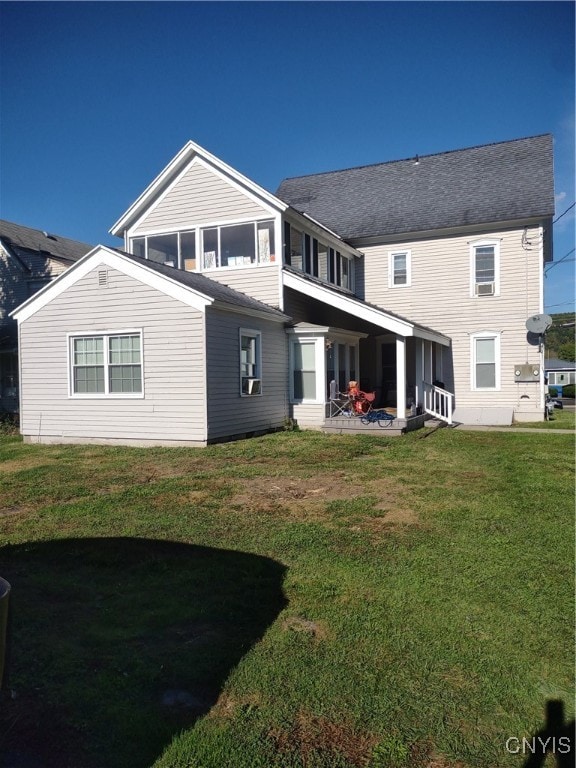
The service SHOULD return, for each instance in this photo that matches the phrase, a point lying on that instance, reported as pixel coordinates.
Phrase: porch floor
(353, 425)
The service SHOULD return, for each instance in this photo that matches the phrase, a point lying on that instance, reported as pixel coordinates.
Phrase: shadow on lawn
(118, 644)
(556, 738)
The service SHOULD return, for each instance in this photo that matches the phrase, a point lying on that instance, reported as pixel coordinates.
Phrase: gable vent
(102, 278)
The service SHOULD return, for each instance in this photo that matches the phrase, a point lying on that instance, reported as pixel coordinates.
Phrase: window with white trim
(304, 366)
(250, 362)
(106, 364)
(485, 268)
(312, 256)
(238, 245)
(177, 249)
(399, 269)
(485, 361)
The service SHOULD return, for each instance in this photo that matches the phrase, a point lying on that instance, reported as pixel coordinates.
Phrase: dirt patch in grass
(310, 737)
(316, 629)
(26, 462)
(302, 496)
(227, 705)
(307, 497)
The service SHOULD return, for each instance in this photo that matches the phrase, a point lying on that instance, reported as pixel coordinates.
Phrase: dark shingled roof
(491, 183)
(202, 284)
(19, 238)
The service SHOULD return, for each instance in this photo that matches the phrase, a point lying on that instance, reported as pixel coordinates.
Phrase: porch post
(400, 377)
(429, 373)
(420, 372)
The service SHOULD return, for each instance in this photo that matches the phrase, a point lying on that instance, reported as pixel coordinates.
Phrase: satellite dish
(538, 323)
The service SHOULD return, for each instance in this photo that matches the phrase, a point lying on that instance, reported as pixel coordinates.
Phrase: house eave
(442, 232)
(361, 310)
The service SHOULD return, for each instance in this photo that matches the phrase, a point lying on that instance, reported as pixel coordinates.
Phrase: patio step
(354, 426)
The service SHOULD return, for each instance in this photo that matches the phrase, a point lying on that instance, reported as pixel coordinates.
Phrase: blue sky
(96, 98)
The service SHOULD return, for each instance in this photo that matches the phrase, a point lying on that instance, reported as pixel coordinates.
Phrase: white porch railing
(438, 402)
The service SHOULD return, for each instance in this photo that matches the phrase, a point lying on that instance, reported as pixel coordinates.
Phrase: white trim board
(359, 309)
(102, 256)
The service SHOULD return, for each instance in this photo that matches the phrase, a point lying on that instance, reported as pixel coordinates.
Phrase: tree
(566, 351)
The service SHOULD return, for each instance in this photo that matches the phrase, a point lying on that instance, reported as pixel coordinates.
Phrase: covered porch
(406, 366)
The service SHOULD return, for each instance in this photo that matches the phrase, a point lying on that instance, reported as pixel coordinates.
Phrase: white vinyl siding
(173, 407)
(199, 195)
(229, 413)
(259, 282)
(440, 297)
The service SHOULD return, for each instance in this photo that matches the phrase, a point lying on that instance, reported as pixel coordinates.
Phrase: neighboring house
(560, 373)
(414, 277)
(29, 260)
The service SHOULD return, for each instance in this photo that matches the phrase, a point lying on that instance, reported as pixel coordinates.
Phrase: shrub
(552, 391)
(568, 390)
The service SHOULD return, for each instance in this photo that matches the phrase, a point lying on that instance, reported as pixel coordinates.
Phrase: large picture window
(238, 245)
(106, 364)
(175, 250)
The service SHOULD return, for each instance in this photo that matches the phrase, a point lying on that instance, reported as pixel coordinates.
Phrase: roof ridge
(41, 233)
(420, 157)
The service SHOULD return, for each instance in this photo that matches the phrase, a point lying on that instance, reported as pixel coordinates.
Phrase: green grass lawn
(561, 419)
(293, 601)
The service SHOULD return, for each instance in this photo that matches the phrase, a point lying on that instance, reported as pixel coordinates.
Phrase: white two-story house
(227, 309)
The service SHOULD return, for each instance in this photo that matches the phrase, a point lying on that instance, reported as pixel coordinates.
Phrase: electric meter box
(524, 373)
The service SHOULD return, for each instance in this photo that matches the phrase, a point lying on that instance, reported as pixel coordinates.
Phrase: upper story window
(312, 256)
(223, 246)
(238, 245)
(485, 268)
(106, 364)
(399, 269)
(175, 250)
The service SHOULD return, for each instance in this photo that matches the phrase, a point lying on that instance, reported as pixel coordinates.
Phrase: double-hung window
(250, 362)
(304, 366)
(106, 365)
(485, 268)
(399, 269)
(485, 361)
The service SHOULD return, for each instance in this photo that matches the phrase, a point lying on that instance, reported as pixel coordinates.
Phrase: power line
(565, 212)
(555, 264)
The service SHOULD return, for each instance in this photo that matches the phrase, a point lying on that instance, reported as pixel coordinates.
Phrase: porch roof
(359, 309)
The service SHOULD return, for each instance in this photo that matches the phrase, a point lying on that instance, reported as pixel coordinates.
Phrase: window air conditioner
(254, 386)
(484, 289)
